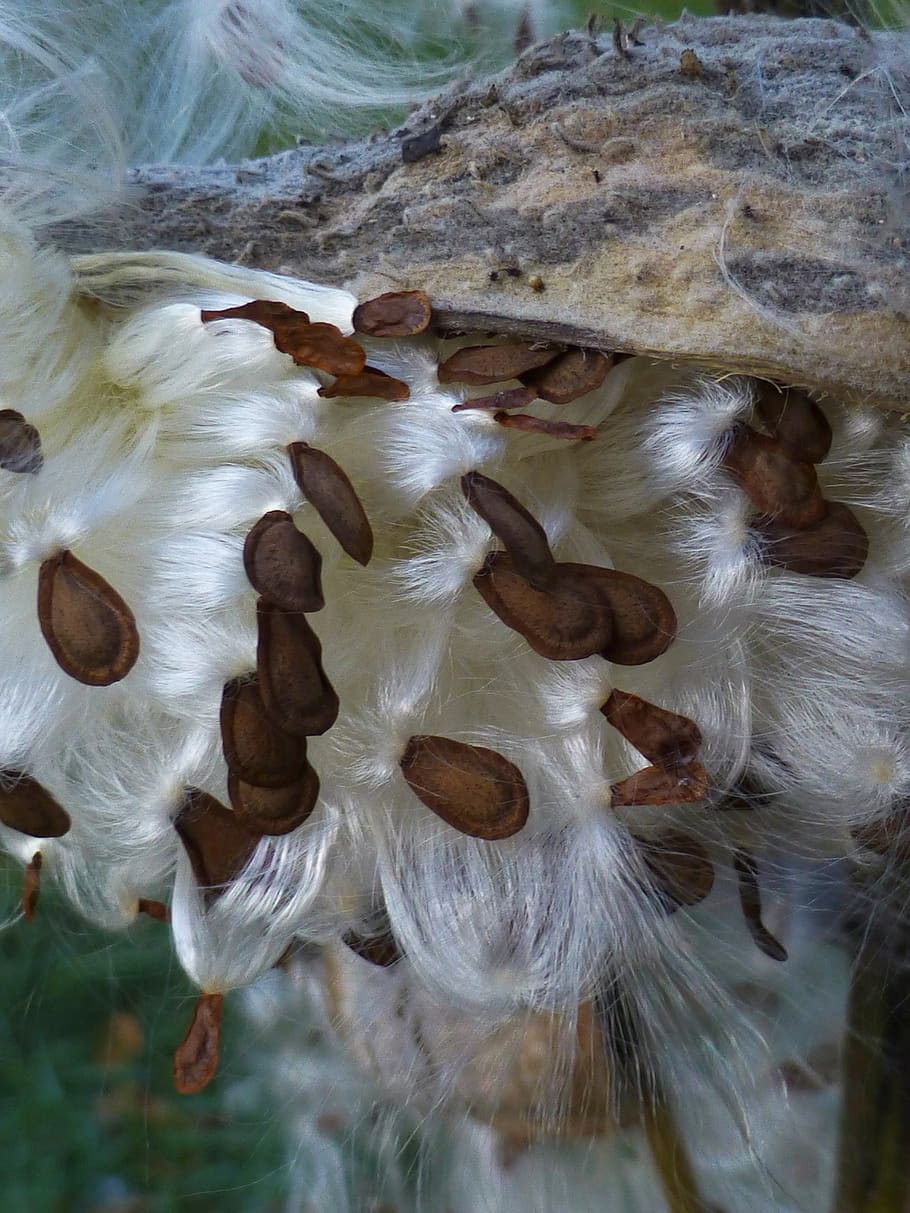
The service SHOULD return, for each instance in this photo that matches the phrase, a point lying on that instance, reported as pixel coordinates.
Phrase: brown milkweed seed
(566, 620)
(274, 811)
(644, 622)
(779, 485)
(295, 691)
(154, 909)
(394, 314)
(370, 382)
(20, 443)
(323, 346)
(511, 398)
(218, 846)
(88, 627)
(31, 886)
(542, 425)
(332, 495)
(655, 785)
(473, 789)
(515, 527)
(282, 564)
(679, 866)
(255, 745)
(796, 421)
(666, 739)
(196, 1059)
(571, 375)
(267, 312)
(750, 901)
(482, 364)
(28, 807)
(837, 547)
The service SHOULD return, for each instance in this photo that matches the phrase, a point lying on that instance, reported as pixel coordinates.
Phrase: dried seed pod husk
(778, 484)
(472, 788)
(545, 425)
(570, 376)
(665, 738)
(370, 382)
(657, 786)
(274, 811)
(295, 690)
(88, 627)
(394, 314)
(795, 421)
(644, 622)
(218, 846)
(750, 901)
(196, 1059)
(256, 746)
(483, 364)
(31, 886)
(282, 564)
(328, 489)
(511, 398)
(20, 443)
(680, 867)
(836, 547)
(30, 808)
(515, 527)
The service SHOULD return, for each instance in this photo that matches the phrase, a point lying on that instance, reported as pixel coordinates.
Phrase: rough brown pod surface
(655, 786)
(20, 443)
(837, 547)
(394, 314)
(483, 364)
(196, 1059)
(282, 564)
(515, 527)
(218, 846)
(256, 747)
(274, 811)
(665, 738)
(295, 690)
(328, 489)
(778, 485)
(571, 375)
(30, 808)
(473, 789)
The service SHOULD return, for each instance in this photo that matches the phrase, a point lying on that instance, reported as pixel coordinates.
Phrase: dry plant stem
(671, 1158)
(726, 193)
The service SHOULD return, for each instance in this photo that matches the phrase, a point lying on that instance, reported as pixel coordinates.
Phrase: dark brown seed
(332, 495)
(654, 785)
(473, 789)
(666, 739)
(20, 443)
(515, 527)
(295, 691)
(218, 846)
(274, 811)
(154, 909)
(88, 627)
(750, 901)
(267, 312)
(644, 622)
(31, 886)
(482, 364)
(323, 346)
(778, 484)
(837, 547)
(543, 425)
(796, 421)
(370, 382)
(282, 564)
(256, 747)
(571, 375)
(511, 398)
(394, 314)
(28, 807)
(680, 867)
(196, 1058)
(567, 620)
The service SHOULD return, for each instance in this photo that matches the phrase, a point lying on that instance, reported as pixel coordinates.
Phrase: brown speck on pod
(88, 627)
(31, 886)
(20, 443)
(571, 375)
(511, 398)
(196, 1058)
(295, 691)
(666, 739)
(566, 620)
(255, 745)
(370, 382)
(274, 811)
(775, 481)
(394, 314)
(537, 284)
(282, 563)
(750, 901)
(473, 789)
(543, 425)
(28, 807)
(515, 527)
(679, 866)
(644, 622)
(153, 909)
(483, 364)
(837, 547)
(218, 846)
(330, 492)
(795, 421)
(322, 346)
(656, 786)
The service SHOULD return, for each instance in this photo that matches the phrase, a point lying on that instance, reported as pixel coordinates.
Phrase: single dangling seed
(282, 564)
(196, 1059)
(836, 547)
(31, 886)
(28, 807)
(330, 492)
(570, 376)
(784, 488)
(370, 382)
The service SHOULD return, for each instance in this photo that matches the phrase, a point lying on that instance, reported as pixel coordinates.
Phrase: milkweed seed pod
(516, 608)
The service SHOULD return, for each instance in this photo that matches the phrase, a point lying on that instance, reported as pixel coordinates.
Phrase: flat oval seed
(570, 376)
(295, 691)
(565, 621)
(20, 443)
(267, 312)
(394, 314)
(680, 866)
(543, 425)
(332, 495)
(473, 789)
(28, 807)
(750, 901)
(655, 785)
(778, 484)
(196, 1059)
(88, 627)
(31, 886)
(482, 364)
(796, 421)
(218, 846)
(511, 398)
(515, 527)
(274, 811)
(255, 746)
(644, 622)
(666, 739)
(370, 382)
(282, 564)
(836, 548)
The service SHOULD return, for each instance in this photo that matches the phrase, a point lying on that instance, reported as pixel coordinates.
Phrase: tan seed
(680, 867)
(31, 886)
(274, 811)
(370, 382)
(196, 1059)
(28, 807)
(332, 495)
(511, 398)
(394, 314)
(218, 846)
(666, 739)
(656, 786)
(570, 376)
(796, 421)
(256, 747)
(836, 548)
(543, 425)
(473, 789)
(20, 443)
(644, 622)
(515, 527)
(750, 901)
(282, 564)
(778, 484)
(295, 690)
(482, 364)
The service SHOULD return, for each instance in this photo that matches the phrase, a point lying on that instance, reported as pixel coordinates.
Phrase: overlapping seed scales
(20, 443)
(472, 788)
(330, 492)
(516, 528)
(28, 807)
(274, 810)
(570, 375)
(665, 738)
(777, 483)
(836, 547)
(318, 345)
(282, 564)
(256, 746)
(296, 693)
(660, 786)
(797, 422)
